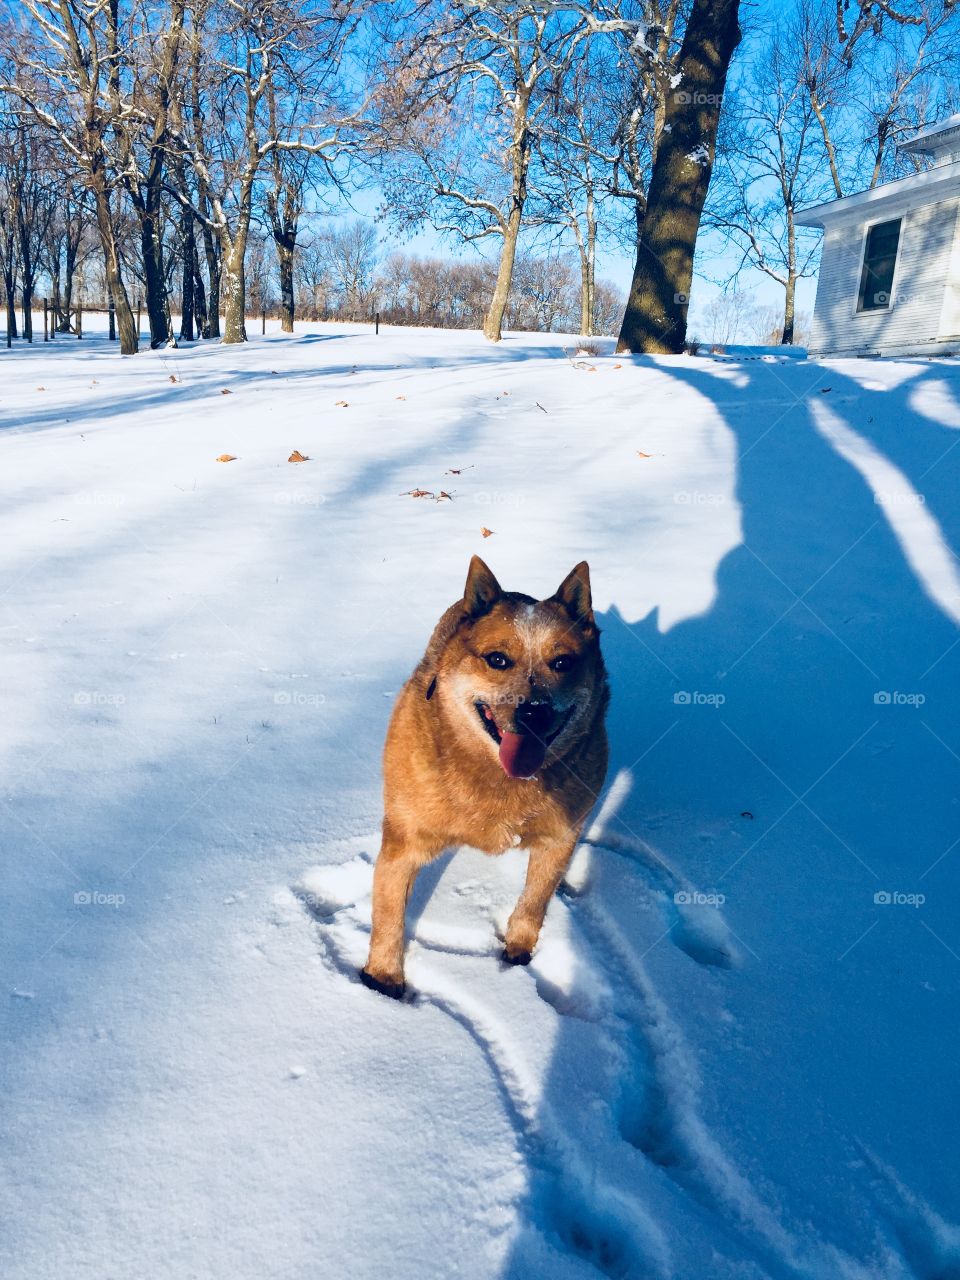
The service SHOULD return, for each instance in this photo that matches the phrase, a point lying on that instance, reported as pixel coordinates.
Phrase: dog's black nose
(535, 718)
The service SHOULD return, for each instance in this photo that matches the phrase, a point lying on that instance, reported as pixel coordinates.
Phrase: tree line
(182, 150)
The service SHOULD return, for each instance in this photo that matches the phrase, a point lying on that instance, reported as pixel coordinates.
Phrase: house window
(879, 261)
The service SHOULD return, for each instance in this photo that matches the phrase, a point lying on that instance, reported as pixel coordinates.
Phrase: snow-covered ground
(734, 1054)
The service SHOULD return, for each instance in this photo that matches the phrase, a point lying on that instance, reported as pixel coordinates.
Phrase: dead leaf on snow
(443, 494)
(401, 397)
(297, 456)
(486, 533)
(641, 454)
(227, 457)
(418, 493)
(174, 378)
(342, 404)
(225, 392)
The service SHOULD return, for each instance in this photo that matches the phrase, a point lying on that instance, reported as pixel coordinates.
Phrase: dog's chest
(506, 820)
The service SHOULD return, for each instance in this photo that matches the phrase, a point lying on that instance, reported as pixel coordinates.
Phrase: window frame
(859, 309)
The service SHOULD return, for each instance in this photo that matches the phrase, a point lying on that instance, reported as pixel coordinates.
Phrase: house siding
(924, 261)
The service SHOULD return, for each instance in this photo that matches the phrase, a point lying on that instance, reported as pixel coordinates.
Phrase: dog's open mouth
(521, 754)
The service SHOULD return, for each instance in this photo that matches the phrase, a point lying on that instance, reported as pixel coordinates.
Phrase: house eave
(930, 184)
(934, 138)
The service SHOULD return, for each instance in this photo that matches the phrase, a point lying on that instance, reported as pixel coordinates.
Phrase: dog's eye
(565, 662)
(499, 661)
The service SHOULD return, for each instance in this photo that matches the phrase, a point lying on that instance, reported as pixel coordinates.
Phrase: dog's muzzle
(524, 747)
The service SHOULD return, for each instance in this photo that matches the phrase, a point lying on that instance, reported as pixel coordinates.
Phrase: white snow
(733, 1054)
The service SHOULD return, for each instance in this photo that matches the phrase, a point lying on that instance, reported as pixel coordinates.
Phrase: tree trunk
(520, 164)
(493, 320)
(70, 267)
(788, 310)
(11, 291)
(656, 316)
(588, 267)
(585, 308)
(199, 294)
(129, 340)
(26, 302)
(790, 288)
(211, 253)
(28, 270)
(235, 291)
(285, 263)
(155, 285)
(187, 276)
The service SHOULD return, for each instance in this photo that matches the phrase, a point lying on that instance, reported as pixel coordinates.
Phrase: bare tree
(575, 154)
(770, 163)
(543, 292)
(239, 50)
(643, 73)
(461, 106)
(9, 239)
(656, 317)
(69, 241)
(25, 216)
(66, 64)
(873, 83)
(284, 201)
(349, 256)
(140, 104)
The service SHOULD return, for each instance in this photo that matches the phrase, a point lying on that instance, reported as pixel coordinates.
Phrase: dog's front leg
(545, 870)
(393, 877)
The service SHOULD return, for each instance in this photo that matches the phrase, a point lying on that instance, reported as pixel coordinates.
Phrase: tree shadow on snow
(789, 752)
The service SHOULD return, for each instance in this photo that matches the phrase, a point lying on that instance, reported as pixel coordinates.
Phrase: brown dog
(496, 741)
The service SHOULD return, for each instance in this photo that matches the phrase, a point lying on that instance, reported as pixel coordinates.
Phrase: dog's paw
(395, 990)
(514, 956)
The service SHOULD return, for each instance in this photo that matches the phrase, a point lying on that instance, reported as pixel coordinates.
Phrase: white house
(890, 271)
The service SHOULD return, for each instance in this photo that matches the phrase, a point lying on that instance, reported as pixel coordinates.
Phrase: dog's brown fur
(443, 780)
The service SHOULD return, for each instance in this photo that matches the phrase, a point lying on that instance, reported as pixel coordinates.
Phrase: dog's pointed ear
(482, 590)
(574, 594)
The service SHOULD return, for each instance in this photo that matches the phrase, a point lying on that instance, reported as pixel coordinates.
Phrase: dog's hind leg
(393, 877)
(548, 862)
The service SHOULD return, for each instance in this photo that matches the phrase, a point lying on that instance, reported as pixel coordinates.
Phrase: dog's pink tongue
(521, 754)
